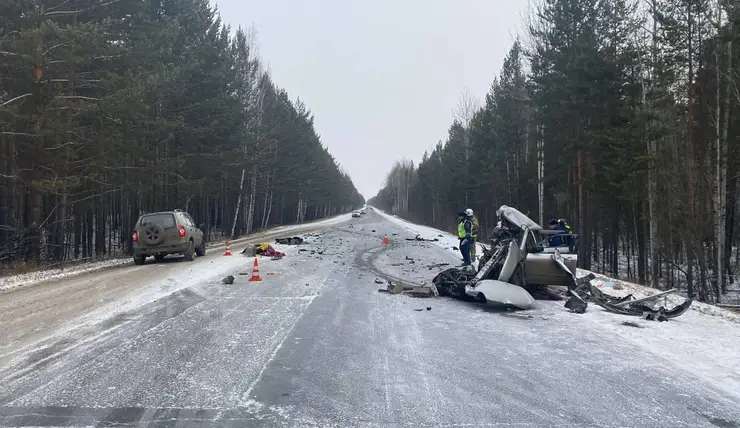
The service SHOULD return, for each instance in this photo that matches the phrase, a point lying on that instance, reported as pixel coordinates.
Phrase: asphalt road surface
(315, 344)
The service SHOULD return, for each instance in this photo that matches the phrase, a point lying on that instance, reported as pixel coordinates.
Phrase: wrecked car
(515, 268)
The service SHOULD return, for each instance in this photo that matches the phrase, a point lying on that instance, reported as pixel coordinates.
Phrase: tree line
(112, 108)
(620, 116)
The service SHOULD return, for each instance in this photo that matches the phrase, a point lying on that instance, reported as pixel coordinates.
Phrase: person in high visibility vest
(473, 233)
(464, 233)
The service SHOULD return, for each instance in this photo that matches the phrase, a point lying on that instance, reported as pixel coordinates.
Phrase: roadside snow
(332, 221)
(12, 281)
(445, 240)
(703, 341)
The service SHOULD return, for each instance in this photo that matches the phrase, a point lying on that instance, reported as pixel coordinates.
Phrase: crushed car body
(521, 266)
(516, 267)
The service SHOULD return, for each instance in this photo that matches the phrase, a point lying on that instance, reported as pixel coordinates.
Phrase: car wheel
(159, 258)
(139, 260)
(154, 234)
(190, 252)
(201, 251)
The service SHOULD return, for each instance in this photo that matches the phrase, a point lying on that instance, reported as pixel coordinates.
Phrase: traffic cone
(228, 249)
(256, 271)
(385, 239)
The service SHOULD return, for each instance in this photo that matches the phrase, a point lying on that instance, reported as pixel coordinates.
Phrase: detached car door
(540, 268)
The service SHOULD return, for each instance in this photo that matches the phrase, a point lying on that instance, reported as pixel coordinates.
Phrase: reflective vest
(461, 230)
(474, 228)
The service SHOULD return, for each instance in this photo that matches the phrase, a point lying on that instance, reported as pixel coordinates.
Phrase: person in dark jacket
(464, 233)
(561, 225)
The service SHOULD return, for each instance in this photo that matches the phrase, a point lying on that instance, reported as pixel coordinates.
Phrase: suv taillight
(181, 229)
(135, 236)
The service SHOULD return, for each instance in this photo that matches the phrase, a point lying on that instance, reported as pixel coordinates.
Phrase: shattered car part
(419, 238)
(295, 240)
(629, 306)
(576, 303)
(494, 291)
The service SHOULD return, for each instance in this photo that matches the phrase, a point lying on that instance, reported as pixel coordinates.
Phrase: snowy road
(315, 344)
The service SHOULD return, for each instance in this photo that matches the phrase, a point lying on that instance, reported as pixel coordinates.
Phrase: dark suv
(167, 232)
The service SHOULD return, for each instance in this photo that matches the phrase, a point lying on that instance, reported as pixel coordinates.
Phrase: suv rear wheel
(190, 252)
(201, 251)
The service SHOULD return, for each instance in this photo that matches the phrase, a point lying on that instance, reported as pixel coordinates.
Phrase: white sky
(382, 77)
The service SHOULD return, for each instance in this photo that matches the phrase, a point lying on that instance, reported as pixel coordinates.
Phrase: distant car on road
(167, 232)
(355, 213)
(363, 212)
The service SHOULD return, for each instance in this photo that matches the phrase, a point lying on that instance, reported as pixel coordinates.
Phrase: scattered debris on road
(419, 238)
(632, 324)
(437, 265)
(262, 250)
(409, 290)
(228, 280)
(628, 305)
(295, 240)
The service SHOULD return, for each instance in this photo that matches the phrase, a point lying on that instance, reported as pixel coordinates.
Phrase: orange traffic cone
(256, 271)
(228, 249)
(385, 239)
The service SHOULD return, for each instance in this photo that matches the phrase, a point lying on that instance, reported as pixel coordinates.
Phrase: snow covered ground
(12, 281)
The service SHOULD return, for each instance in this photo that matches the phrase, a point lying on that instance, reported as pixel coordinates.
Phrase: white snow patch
(8, 282)
(704, 341)
(445, 240)
(332, 221)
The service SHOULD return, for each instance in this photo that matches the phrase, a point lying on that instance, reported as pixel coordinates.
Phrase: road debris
(419, 238)
(437, 265)
(228, 280)
(420, 292)
(632, 324)
(628, 305)
(264, 249)
(295, 240)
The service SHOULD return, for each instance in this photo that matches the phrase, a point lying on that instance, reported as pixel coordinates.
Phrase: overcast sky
(382, 77)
